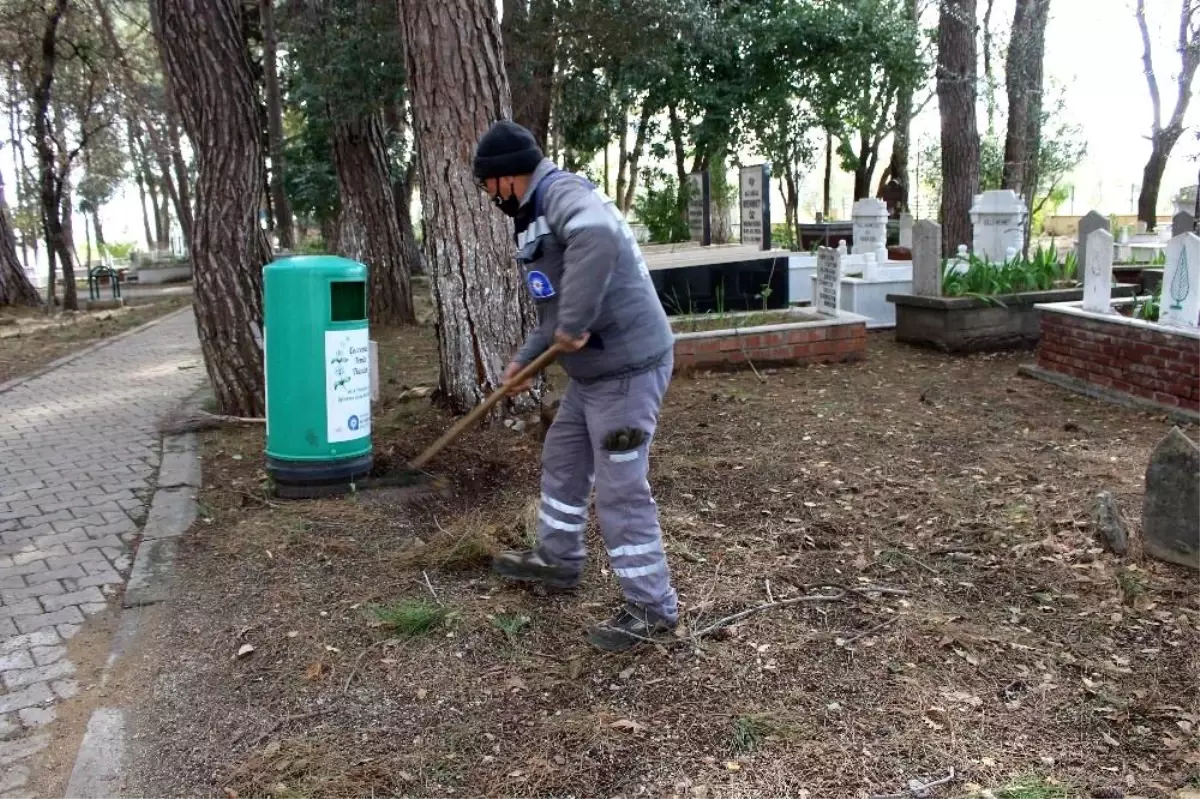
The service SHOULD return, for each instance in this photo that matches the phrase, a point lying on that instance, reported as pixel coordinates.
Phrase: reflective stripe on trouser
(574, 456)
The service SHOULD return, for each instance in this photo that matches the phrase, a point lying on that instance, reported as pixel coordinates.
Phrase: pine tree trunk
(279, 199)
(902, 135)
(956, 78)
(635, 157)
(402, 190)
(15, 288)
(370, 229)
(87, 235)
(458, 87)
(66, 246)
(530, 48)
(828, 185)
(49, 180)
(1152, 175)
(164, 217)
(183, 194)
(204, 54)
(1018, 78)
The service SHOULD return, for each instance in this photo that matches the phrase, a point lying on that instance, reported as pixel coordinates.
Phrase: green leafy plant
(984, 278)
(1148, 308)
(411, 618)
(658, 208)
(120, 250)
(511, 624)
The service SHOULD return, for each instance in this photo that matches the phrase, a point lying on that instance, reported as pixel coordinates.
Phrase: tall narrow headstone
(1171, 509)
(998, 221)
(906, 230)
(1183, 222)
(927, 259)
(756, 206)
(829, 281)
(1097, 277)
(869, 219)
(1092, 221)
(699, 208)
(1180, 303)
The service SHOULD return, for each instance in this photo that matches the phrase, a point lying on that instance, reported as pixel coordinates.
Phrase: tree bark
(1164, 137)
(828, 185)
(50, 180)
(956, 78)
(98, 232)
(989, 76)
(635, 157)
(1023, 82)
(279, 199)
(140, 179)
(164, 216)
(204, 54)
(402, 190)
(680, 155)
(15, 287)
(67, 255)
(458, 87)
(902, 135)
(370, 228)
(530, 49)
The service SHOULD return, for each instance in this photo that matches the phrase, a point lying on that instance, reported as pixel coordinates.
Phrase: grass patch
(753, 729)
(410, 618)
(511, 624)
(1132, 584)
(1034, 788)
(725, 321)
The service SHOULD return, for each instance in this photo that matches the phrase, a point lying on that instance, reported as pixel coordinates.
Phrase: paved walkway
(79, 454)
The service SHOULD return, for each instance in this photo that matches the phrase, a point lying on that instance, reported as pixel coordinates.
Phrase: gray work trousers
(579, 452)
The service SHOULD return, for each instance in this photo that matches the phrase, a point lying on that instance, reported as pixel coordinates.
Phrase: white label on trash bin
(347, 384)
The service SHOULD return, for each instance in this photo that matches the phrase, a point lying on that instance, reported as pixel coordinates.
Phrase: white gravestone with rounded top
(1097, 276)
(1180, 303)
(906, 230)
(869, 219)
(998, 220)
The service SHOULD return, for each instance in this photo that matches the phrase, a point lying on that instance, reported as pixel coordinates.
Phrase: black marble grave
(733, 286)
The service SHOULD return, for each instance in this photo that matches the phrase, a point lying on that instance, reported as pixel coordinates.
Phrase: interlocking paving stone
(79, 459)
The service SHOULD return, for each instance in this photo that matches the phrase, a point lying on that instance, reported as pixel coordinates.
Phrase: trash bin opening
(347, 301)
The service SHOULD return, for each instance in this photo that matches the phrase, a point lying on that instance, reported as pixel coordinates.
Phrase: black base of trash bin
(315, 479)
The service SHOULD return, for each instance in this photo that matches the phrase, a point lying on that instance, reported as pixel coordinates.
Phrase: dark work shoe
(529, 565)
(632, 625)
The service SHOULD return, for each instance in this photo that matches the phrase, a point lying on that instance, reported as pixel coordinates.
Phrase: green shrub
(657, 207)
(986, 278)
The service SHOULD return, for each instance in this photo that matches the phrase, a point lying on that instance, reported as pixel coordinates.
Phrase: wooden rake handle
(479, 411)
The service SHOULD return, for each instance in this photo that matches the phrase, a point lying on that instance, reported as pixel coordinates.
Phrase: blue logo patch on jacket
(540, 286)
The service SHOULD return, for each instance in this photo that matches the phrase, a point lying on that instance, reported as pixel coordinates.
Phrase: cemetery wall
(1138, 360)
(831, 342)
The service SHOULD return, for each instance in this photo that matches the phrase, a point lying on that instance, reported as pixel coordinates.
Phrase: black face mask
(510, 205)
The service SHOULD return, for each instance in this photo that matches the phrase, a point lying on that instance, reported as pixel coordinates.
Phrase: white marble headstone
(906, 230)
(870, 266)
(1097, 277)
(1093, 220)
(829, 281)
(927, 259)
(869, 219)
(1180, 303)
(998, 221)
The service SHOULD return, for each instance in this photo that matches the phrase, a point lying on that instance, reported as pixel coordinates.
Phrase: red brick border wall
(807, 345)
(1144, 363)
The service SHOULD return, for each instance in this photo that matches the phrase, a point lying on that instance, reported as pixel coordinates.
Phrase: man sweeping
(594, 297)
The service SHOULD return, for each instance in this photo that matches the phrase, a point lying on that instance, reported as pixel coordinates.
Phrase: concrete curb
(99, 769)
(9, 385)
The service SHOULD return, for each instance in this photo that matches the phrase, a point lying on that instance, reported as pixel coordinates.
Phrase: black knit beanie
(506, 149)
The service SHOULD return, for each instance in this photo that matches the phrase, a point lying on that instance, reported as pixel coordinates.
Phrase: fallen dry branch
(203, 420)
(841, 592)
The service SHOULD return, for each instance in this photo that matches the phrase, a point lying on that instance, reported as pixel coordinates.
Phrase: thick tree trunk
(530, 49)
(1152, 175)
(680, 155)
(1022, 81)
(164, 216)
(458, 87)
(283, 209)
(370, 229)
(49, 179)
(206, 62)
(902, 135)
(67, 256)
(15, 287)
(402, 190)
(956, 77)
(171, 198)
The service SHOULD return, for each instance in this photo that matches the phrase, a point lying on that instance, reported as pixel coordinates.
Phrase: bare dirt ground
(380, 657)
(30, 339)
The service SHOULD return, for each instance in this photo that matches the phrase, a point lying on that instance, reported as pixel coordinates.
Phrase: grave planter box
(970, 324)
(1119, 359)
(810, 339)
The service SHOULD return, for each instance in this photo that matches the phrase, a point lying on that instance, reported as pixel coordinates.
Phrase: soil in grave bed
(380, 656)
(717, 321)
(29, 339)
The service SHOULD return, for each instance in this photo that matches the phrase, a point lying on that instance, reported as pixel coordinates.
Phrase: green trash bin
(317, 361)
